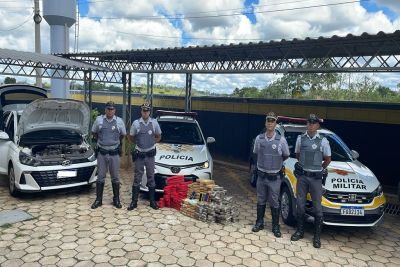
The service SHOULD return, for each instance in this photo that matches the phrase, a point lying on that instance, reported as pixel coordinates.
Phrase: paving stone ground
(64, 231)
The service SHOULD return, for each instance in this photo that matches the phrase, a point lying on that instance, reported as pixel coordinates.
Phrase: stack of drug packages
(209, 202)
(223, 209)
(198, 195)
(174, 192)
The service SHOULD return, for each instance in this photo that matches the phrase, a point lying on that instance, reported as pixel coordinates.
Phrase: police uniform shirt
(325, 147)
(135, 128)
(97, 125)
(283, 148)
(99, 121)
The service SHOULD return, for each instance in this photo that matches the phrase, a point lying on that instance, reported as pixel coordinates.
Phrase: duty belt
(138, 154)
(269, 176)
(311, 174)
(109, 152)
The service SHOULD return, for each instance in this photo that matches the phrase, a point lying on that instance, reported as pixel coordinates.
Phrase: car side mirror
(355, 154)
(210, 140)
(4, 136)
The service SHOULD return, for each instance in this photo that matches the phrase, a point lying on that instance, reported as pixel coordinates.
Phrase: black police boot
(99, 195)
(260, 219)
(153, 203)
(317, 232)
(275, 222)
(135, 197)
(116, 201)
(299, 234)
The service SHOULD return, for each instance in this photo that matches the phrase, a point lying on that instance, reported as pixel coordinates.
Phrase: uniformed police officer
(314, 155)
(109, 130)
(145, 133)
(271, 149)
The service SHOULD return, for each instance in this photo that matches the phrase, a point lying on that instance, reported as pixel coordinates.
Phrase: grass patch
(5, 226)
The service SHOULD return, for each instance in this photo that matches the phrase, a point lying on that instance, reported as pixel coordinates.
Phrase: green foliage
(9, 80)
(246, 92)
(94, 114)
(330, 86)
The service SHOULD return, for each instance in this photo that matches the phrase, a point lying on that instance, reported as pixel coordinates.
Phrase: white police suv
(182, 150)
(43, 142)
(352, 194)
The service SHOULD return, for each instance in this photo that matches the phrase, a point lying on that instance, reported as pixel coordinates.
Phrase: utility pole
(37, 19)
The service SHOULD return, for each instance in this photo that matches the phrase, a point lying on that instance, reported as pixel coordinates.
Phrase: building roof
(51, 61)
(311, 48)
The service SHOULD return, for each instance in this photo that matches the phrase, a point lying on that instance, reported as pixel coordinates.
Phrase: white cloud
(126, 34)
(394, 5)
(321, 21)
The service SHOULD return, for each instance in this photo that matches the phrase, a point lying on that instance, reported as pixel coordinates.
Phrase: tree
(384, 91)
(246, 92)
(10, 80)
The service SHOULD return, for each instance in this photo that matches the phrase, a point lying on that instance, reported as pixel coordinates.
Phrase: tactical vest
(311, 153)
(108, 135)
(268, 157)
(145, 138)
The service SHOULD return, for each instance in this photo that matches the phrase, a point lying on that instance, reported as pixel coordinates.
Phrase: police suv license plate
(352, 211)
(66, 174)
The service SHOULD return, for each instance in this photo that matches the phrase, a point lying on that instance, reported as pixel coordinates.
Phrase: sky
(147, 24)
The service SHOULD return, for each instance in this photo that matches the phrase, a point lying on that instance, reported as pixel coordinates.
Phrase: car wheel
(287, 207)
(253, 175)
(11, 182)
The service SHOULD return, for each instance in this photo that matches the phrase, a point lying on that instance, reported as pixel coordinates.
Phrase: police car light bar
(294, 120)
(176, 113)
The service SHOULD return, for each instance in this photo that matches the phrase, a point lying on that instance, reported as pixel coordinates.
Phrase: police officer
(108, 130)
(314, 155)
(145, 133)
(271, 149)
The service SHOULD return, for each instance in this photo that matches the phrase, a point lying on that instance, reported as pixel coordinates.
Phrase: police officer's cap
(145, 106)
(271, 116)
(313, 118)
(110, 104)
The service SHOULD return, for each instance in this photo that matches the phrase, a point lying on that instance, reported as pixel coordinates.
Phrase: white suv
(182, 150)
(43, 144)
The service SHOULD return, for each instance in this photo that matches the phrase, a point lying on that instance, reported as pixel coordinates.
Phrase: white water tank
(60, 15)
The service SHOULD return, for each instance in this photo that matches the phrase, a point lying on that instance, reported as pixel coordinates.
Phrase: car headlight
(28, 160)
(203, 165)
(378, 191)
(92, 157)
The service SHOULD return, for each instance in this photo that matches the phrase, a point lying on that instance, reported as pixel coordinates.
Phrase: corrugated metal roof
(56, 62)
(358, 46)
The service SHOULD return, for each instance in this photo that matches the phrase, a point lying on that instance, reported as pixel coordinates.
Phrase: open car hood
(53, 113)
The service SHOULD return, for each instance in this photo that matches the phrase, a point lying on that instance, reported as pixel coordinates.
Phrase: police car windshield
(180, 133)
(340, 151)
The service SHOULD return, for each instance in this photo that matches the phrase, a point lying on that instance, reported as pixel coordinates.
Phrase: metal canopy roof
(21, 63)
(368, 53)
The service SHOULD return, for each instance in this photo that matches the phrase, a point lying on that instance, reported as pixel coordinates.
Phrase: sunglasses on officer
(271, 120)
(110, 108)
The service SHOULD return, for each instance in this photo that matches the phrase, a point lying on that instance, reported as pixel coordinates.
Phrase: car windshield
(180, 133)
(340, 151)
